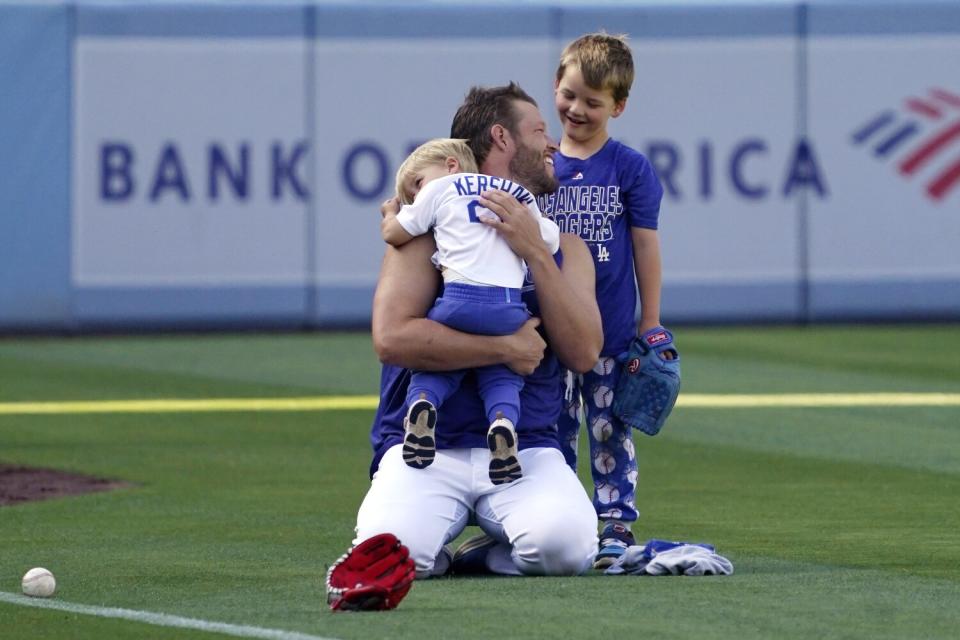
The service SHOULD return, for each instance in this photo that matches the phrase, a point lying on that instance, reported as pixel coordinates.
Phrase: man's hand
(514, 223)
(525, 348)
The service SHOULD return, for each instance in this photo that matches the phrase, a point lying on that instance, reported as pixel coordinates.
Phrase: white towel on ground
(664, 558)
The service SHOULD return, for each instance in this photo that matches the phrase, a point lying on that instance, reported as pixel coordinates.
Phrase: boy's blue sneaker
(614, 540)
(470, 558)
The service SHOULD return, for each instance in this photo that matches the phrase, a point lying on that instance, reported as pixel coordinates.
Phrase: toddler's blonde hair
(432, 152)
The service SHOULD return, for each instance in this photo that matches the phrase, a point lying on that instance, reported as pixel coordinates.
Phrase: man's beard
(528, 168)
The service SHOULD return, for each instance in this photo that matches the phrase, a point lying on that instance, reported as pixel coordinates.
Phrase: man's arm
(567, 296)
(568, 304)
(403, 336)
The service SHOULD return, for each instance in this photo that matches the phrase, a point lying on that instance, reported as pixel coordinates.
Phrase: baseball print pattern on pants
(613, 457)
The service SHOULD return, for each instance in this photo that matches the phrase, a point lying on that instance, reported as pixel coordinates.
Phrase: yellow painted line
(332, 403)
(799, 400)
(175, 405)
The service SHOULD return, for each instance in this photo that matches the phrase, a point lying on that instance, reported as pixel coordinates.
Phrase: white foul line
(159, 619)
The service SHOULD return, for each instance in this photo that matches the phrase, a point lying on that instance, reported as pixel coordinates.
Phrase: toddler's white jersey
(449, 205)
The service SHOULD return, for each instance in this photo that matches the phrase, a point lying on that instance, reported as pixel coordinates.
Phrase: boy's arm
(646, 262)
(567, 296)
(393, 232)
(403, 336)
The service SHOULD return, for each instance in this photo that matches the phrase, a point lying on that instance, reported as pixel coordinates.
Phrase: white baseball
(604, 462)
(604, 366)
(607, 493)
(38, 583)
(602, 429)
(602, 397)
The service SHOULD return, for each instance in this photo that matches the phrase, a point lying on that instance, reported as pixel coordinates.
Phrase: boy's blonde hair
(432, 152)
(604, 60)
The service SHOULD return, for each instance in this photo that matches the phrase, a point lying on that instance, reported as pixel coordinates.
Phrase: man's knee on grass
(556, 545)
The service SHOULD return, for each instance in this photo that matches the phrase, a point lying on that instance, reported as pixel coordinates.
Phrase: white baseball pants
(545, 519)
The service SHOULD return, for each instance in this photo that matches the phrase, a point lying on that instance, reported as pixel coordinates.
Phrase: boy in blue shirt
(610, 196)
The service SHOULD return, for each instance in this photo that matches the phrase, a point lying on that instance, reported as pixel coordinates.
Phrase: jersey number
(472, 211)
(603, 255)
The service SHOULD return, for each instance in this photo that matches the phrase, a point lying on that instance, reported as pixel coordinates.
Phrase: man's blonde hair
(433, 152)
(604, 60)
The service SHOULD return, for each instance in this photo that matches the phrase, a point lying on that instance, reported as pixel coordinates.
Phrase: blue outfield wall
(34, 166)
(172, 165)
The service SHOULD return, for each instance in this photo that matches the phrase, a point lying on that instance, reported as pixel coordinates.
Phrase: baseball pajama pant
(613, 459)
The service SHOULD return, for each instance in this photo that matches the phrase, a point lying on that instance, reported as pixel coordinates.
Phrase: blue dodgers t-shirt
(600, 199)
(461, 420)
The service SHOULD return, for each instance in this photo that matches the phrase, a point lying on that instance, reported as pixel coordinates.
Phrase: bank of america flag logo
(922, 138)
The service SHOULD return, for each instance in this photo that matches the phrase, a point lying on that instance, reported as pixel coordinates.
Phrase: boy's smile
(584, 111)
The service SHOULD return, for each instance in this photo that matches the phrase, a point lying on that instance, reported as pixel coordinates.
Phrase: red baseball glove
(373, 576)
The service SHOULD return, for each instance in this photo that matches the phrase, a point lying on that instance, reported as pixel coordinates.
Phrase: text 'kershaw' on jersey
(449, 206)
(600, 199)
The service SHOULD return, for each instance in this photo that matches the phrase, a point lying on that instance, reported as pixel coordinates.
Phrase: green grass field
(841, 521)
